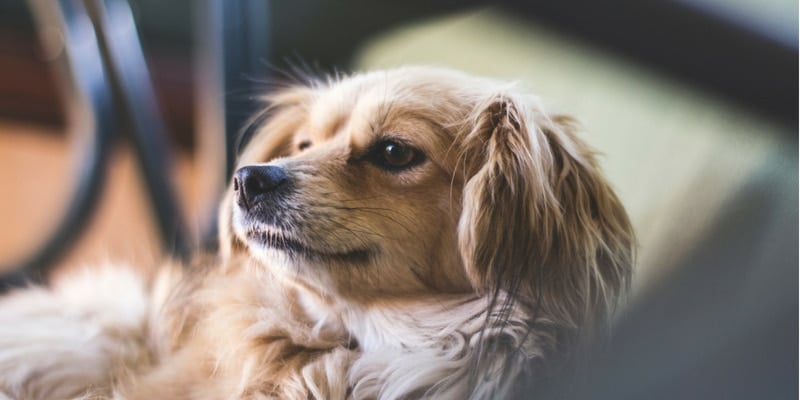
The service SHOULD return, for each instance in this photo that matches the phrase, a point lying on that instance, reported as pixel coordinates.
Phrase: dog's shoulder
(248, 330)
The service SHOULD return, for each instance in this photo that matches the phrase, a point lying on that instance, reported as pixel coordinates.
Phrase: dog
(408, 233)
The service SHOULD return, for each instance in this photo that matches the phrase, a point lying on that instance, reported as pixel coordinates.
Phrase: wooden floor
(36, 177)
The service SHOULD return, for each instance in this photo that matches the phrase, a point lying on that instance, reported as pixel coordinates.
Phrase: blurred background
(119, 119)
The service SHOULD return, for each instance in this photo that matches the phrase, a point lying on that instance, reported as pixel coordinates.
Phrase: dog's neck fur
(399, 322)
(423, 345)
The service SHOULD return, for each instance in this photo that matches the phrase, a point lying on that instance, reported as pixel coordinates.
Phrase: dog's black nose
(254, 180)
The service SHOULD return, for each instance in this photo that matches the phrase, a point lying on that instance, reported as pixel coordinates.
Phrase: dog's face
(358, 196)
(421, 180)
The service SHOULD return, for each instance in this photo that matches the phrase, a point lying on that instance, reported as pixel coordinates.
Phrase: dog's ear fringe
(540, 224)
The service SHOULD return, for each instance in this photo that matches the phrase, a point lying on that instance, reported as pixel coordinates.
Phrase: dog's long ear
(275, 127)
(539, 221)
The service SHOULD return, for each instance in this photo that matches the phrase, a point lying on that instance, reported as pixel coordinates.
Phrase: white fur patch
(58, 343)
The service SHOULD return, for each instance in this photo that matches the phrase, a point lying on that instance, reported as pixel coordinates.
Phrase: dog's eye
(394, 156)
(303, 145)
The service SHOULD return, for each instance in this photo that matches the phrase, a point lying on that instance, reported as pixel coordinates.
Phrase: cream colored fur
(497, 256)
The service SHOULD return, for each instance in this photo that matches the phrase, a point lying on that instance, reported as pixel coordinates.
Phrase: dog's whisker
(355, 235)
(363, 230)
(377, 211)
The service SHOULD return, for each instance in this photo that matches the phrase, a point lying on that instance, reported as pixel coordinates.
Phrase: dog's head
(419, 180)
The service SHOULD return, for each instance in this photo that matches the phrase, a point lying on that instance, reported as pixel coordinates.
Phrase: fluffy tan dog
(410, 233)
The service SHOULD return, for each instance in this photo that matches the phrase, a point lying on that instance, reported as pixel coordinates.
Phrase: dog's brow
(334, 126)
(432, 123)
(379, 124)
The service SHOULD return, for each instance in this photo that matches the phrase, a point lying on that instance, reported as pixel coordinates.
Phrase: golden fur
(499, 252)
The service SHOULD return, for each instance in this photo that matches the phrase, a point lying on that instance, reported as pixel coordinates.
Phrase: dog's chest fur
(235, 336)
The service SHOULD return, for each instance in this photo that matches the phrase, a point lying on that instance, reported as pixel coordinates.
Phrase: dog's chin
(271, 243)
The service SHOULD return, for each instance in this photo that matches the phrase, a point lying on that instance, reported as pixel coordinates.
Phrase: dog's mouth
(282, 241)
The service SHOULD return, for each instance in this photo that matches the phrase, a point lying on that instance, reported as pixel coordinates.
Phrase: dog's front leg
(327, 376)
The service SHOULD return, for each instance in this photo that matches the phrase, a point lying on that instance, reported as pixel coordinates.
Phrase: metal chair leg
(89, 69)
(128, 73)
(86, 90)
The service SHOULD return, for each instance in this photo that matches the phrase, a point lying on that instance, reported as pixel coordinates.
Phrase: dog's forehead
(340, 110)
(364, 108)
